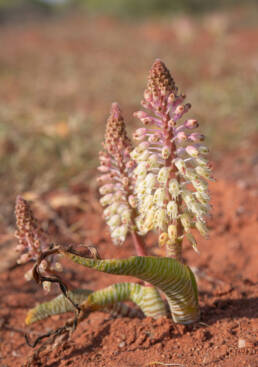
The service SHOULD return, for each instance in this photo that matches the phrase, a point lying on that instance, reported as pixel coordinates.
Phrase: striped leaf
(109, 299)
(170, 276)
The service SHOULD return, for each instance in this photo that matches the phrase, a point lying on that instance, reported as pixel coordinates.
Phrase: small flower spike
(116, 167)
(172, 170)
(32, 241)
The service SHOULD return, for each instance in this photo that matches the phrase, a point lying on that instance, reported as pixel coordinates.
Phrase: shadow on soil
(230, 308)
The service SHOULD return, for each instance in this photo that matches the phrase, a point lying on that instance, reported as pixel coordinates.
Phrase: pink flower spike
(33, 241)
(169, 187)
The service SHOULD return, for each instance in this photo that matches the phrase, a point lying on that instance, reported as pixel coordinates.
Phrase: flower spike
(32, 241)
(116, 186)
(117, 182)
(171, 173)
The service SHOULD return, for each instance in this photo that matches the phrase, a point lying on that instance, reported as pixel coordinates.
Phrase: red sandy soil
(227, 265)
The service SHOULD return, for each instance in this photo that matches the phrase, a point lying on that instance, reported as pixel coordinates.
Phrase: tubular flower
(116, 187)
(32, 241)
(171, 169)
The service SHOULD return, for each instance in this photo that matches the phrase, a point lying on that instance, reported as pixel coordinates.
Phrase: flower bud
(103, 169)
(114, 221)
(163, 237)
(191, 124)
(201, 161)
(155, 138)
(173, 188)
(142, 147)
(201, 227)
(159, 196)
(58, 267)
(24, 258)
(203, 149)
(141, 170)
(203, 172)
(181, 136)
(171, 123)
(186, 221)
(193, 242)
(46, 286)
(103, 178)
(180, 165)
(140, 134)
(43, 265)
(179, 110)
(132, 201)
(171, 98)
(143, 156)
(160, 218)
(192, 151)
(150, 180)
(196, 137)
(28, 275)
(172, 232)
(163, 175)
(166, 151)
(172, 209)
(106, 200)
(153, 160)
(140, 115)
(126, 217)
(106, 189)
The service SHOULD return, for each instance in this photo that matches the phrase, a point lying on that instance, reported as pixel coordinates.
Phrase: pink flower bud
(155, 137)
(107, 188)
(181, 136)
(140, 114)
(147, 96)
(43, 265)
(140, 134)
(179, 110)
(171, 98)
(103, 169)
(132, 201)
(130, 164)
(171, 123)
(196, 137)
(20, 248)
(191, 124)
(125, 181)
(166, 151)
(146, 121)
(192, 151)
(104, 160)
(187, 107)
(24, 258)
(104, 178)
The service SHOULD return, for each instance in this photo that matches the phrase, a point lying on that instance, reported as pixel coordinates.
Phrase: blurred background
(63, 62)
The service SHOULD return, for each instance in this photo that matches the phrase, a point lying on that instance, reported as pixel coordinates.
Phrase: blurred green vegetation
(132, 8)
(154, 7)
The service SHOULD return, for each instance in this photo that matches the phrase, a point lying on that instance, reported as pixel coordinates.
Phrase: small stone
(121, 345)
(241, 343)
